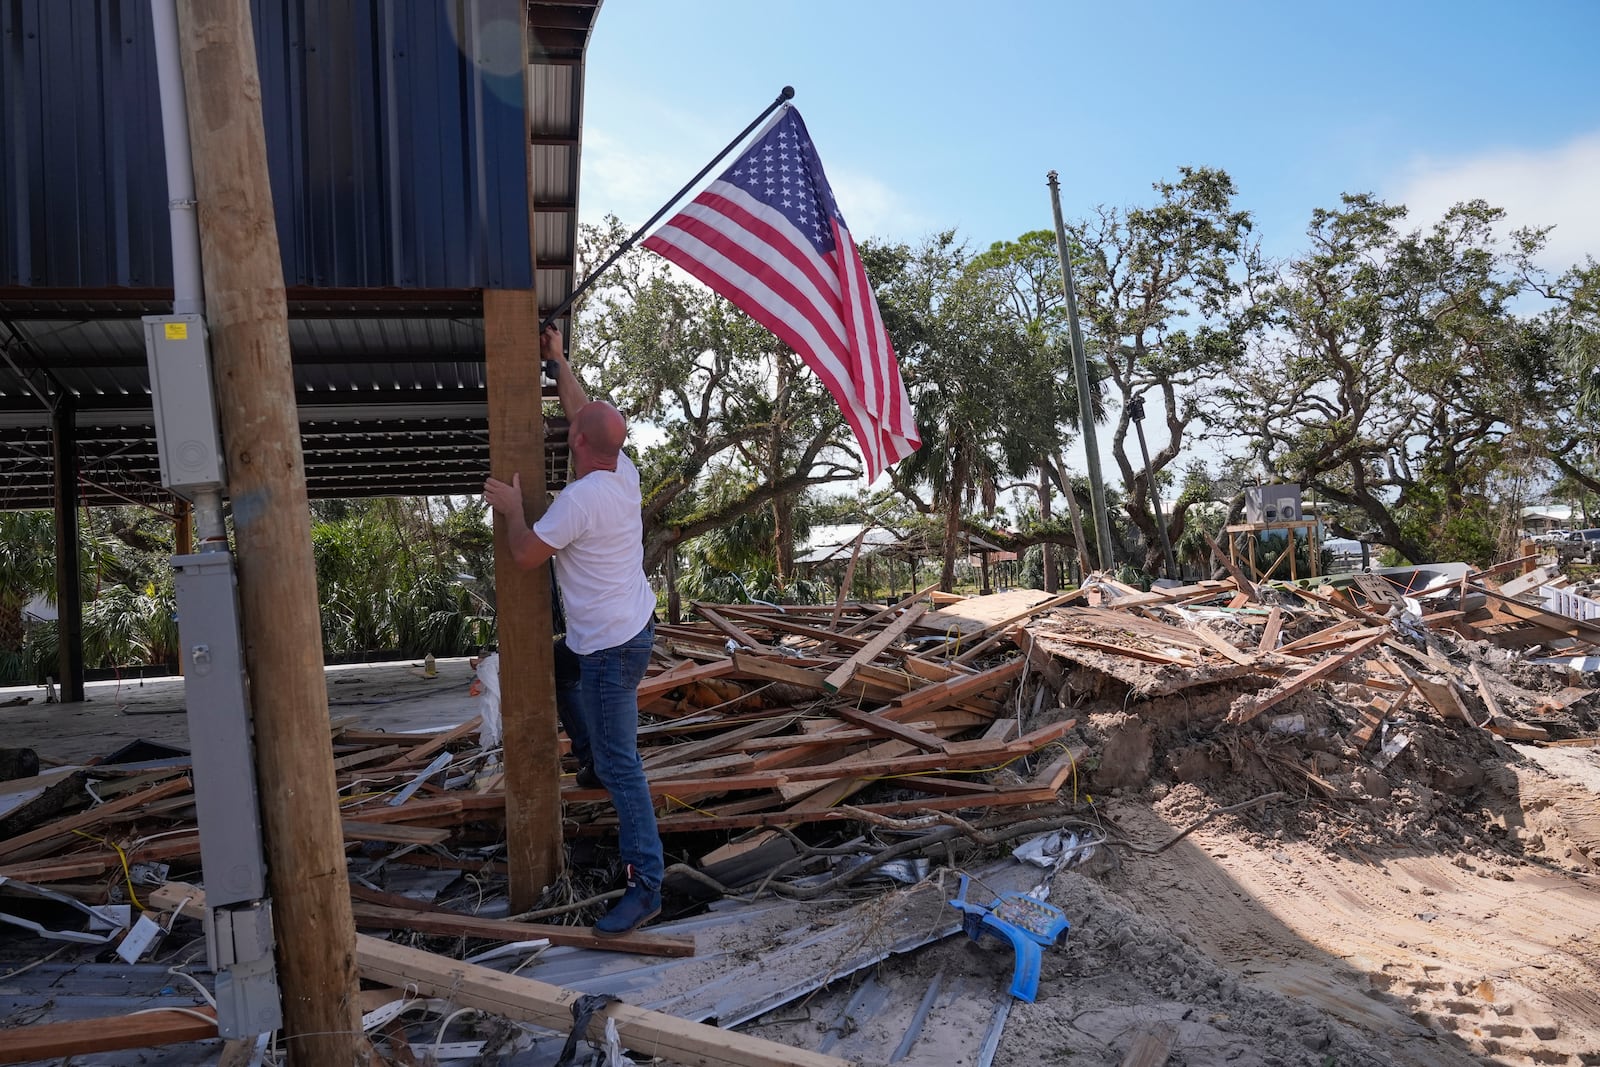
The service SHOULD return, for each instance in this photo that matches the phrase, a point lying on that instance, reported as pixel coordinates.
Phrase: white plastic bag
(487, 688)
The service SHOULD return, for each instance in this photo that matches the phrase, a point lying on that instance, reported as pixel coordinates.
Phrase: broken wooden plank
(526, 1000)
(1246, 587)
(669, 680)
(1246, 708)
(1516, 731)
(15, 847)
(84, 1037)
(1216, 641)
(693, 822)
(1269, 633)
(888, 612)
(395, 833)
(941, 694)
(1442, 696)
(849, 576)
(1054, 775)
(1489, 700)
(869, 652)
(426, 751)
(891, 729)
(739, 635)
(382, 917)
(371, 755)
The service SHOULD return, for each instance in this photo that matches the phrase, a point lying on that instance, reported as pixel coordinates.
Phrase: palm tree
(27, 569)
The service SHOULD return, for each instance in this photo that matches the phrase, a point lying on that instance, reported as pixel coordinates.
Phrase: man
(595, 533)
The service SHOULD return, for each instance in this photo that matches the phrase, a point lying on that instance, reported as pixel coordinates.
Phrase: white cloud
(1548, 187)
(873, 208)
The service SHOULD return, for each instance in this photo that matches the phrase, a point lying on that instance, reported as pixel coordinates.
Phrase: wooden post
(514, 374)
(522, 602)
(249, 327)
(69, 597)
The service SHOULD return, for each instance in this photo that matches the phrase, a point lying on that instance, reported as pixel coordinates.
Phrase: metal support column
(69, 595)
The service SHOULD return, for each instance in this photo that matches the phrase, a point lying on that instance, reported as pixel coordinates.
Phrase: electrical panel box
(1272, 503)
(186, 413)
(219, 729)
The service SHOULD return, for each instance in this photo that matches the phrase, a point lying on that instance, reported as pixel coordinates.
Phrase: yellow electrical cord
(126, 872)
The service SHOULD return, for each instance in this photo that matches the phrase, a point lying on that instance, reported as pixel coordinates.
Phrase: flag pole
(783, 97)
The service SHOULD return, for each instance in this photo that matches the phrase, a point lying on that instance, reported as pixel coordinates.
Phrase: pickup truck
(1580, 545)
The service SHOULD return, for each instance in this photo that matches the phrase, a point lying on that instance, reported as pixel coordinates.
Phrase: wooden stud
(550, 1006)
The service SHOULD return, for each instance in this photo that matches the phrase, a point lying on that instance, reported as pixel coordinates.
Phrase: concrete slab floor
(386, 696)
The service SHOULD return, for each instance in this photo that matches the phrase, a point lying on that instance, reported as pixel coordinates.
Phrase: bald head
(602, 430)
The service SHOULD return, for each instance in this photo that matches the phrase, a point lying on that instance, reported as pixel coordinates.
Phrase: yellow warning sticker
(177, 331)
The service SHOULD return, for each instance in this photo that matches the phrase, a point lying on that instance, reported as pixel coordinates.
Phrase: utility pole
(1080, 367)
(249, 332)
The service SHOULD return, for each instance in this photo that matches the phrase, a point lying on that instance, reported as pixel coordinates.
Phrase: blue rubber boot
(638, 906)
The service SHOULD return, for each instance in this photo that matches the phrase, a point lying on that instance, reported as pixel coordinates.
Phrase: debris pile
(914, 729)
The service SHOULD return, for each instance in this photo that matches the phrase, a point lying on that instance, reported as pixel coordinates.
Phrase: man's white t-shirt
(594, 525)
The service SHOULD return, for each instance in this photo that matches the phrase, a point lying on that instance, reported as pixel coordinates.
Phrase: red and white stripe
(821, 306)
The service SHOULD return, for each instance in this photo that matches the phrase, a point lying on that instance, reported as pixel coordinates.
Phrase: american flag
(768, 236)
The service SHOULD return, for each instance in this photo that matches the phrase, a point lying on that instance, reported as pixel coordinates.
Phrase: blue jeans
(597, 699)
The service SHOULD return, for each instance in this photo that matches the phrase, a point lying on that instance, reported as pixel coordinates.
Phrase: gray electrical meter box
(180, 387)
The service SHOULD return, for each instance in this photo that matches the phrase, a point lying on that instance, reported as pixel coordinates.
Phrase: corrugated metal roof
(394, 142)
(399, 168)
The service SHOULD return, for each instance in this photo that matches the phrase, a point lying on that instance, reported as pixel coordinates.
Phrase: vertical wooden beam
(69, 595)
(249, 328)
(522, 601)
(514, 374)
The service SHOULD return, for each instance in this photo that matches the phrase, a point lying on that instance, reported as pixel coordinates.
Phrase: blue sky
(935, 114)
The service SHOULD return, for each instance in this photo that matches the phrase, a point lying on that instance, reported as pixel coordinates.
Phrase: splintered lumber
(84, 1037)
(1562, 624)
(356, 830)
(888, 612)
(889, 728)
(12, 847)
(691, 822)
(849, 577)
(1442, 696)
(1246, 588)
(425, 751)
(1246, 708)
(728, 628)
(869, 652)
(550, 1006)
(781, 623)
(1054, 775)
(381, 917)
(1217, 642)
(1487, 694)
(942, 694)
(1269, 633)
(682, 675)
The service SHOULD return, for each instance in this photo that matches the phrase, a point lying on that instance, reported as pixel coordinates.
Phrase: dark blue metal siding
(395, 140)
(83, 188)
